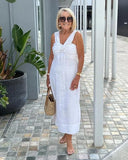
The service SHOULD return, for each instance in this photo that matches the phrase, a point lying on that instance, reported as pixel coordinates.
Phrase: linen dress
(62, 72)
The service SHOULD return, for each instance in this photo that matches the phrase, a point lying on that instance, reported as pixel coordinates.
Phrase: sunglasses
(63, 19)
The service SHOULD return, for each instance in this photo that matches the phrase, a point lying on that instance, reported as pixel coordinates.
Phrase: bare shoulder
(78, 38)
(78, 35)
(53, 38)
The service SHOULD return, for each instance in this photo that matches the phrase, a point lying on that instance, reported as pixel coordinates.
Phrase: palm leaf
(23, 41)
(4, 101)
(11, 1)
(36, 61)
(20, 39)
(3, 98)
(17, 32)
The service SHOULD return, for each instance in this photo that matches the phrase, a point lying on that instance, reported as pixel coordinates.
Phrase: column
(85, 24)
(93, 32)
(107, 42)
(77, 5)
(114, 37)
(98, 72)
(80, 15)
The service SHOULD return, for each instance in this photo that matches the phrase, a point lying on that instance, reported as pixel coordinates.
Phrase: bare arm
(80, 51)
(50, 59)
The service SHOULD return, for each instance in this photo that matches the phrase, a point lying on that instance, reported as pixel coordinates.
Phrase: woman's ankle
(70, 148)
(69, 137)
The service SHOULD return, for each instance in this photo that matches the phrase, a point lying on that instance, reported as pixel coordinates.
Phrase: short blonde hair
(59, 15)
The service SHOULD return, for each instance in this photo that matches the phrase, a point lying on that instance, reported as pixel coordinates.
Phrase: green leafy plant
(20, 53)
(11, 1)
(3, 96)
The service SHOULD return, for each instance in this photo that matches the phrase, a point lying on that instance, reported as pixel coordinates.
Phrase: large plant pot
(17, 93)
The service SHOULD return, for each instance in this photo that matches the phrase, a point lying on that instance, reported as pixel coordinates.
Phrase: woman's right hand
(48, 81)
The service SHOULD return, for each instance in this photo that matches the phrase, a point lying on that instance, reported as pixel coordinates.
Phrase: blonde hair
(59, 15)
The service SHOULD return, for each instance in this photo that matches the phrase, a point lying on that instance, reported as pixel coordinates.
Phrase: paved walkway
(30, 135)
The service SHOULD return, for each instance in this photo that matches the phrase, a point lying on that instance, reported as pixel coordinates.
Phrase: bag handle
(48, 90)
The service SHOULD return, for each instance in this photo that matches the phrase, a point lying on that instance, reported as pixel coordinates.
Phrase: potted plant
(15, 81)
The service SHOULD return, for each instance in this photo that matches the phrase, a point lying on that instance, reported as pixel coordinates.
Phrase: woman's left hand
(75, 82)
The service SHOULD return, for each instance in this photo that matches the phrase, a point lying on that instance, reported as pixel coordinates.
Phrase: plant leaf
(17, 32)
(4, 101)
(23, 41)
(2, 90)
(20, 39)
(3, 98)
(36, 61)
(11, 1)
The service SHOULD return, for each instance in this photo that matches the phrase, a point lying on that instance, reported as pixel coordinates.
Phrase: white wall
(23, 13)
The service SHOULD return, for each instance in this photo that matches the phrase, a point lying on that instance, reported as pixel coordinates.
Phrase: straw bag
(50, 104)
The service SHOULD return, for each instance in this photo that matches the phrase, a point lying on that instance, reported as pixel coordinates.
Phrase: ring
(75, 86)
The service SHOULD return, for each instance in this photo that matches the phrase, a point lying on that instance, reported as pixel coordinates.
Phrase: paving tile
(62, 157)
(21, 158)
(83, 156)
(41, 158)
(51, 157)
(32, 153)
(10, 158)
(11, 154)
(94, 156)
(30, 158)
(21, 154)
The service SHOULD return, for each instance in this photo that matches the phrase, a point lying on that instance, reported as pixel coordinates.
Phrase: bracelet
(78, 73)
(48, 74)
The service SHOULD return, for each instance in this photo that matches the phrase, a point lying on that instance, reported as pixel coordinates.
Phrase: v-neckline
(66, 39)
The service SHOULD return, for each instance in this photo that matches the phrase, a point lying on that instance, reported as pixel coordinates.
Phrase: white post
(114, 36)
(75, 8)
(77, 15)
(85, 24)
(98, 72)
(80, 15)
(42, 25)
(107, 42)
(93, 31)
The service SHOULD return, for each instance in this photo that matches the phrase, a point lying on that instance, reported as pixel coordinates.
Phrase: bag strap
(48, 90)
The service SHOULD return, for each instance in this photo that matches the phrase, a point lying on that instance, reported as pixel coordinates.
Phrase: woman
(64, 69)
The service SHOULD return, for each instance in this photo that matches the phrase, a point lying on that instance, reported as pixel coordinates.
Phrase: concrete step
(120, 153)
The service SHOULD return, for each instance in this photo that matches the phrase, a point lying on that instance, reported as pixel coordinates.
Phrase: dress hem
(72, 129)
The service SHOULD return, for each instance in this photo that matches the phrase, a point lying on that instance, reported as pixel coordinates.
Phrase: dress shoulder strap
(71, 36)
(56, 36)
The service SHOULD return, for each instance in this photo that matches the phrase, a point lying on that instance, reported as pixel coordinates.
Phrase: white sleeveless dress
(62, 72)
